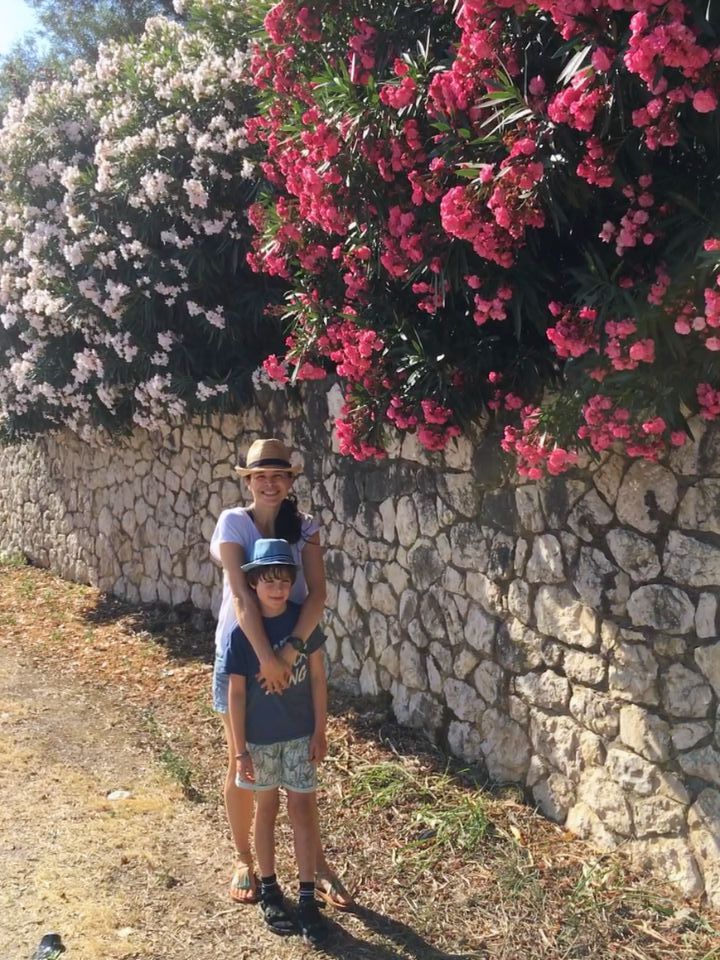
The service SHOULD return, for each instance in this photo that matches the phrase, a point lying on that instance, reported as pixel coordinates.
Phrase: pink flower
(705, 101)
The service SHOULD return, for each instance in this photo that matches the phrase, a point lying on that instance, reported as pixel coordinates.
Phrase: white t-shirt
(236, 526)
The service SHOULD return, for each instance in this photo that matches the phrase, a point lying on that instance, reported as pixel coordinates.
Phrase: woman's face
(269, 487)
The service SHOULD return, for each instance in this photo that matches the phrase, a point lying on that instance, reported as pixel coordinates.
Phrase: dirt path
(140, 876)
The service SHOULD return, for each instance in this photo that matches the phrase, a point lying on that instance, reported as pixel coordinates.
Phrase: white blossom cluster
(119, 191)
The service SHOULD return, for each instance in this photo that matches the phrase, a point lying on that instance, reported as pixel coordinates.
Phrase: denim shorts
(220, 686)
(283, 764)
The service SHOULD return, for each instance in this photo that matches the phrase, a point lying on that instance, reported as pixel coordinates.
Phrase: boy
(280, 738)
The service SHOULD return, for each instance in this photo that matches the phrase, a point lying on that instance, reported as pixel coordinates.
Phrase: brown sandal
(245, 885)
(330, 889)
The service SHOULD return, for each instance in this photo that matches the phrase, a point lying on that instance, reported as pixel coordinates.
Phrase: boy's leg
(302, 811)
(267, 804)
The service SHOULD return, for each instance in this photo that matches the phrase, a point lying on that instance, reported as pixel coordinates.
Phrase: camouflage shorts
(283, 764)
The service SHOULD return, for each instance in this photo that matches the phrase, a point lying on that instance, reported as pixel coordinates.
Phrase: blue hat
(270, 553)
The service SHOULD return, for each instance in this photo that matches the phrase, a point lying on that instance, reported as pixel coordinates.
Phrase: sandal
(277, 917)
(245, 885)
(330, 889)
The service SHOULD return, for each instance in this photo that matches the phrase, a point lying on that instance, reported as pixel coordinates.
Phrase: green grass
(12, 559)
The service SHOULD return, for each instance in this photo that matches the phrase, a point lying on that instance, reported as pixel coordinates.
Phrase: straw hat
(268, 454)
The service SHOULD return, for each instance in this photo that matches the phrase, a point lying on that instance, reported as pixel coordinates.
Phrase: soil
(112, 832)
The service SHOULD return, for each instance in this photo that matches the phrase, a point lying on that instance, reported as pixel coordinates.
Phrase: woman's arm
(236, 710)
(314, 604)
(318, 687)
(273, 670)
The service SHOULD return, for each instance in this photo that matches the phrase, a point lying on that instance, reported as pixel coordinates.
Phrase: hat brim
(248, 471)
(270, 562)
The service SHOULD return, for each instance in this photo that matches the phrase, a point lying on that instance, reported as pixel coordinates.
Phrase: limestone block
(488, 594)
(519, 603)
(595, 710)
(671, 859)
(607, 801)
(632, 673)
(585, 668)
(685, 693)
(590, 516)
(349, 657)
(554, 796)
(489, 681)
(529, 508)
(608, 476)
(546, 561)
(703, 762)
(521, 552)
(501, 558)
(706, 616)
(406, 522)
(631, 771)
(691, 562)
(505, 746)
(686, 735)
(704, 824)
(434, 605)
(661, 607)
(387, 514)
(556, 739)
(360, 589)
(464, 741)
(708, 659)
(558, 496)
(597, 580)
(464, 663)
(417, 634)
(383, 599)
(453, 581)
(583, 821)
(519, 649)
(655, 816)
(390, 661)
(408, 607)
(547, 689)
(645, 733)
(460, 492)
(424, 564)
(700, 507)
(647, 493)
(435, 677)
(463, 700)
(412, 667)
(560, 615)
(442, 655)
(106, 522)
(480, 629)
(635, 554)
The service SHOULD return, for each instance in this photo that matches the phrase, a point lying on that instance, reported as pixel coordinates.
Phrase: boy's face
(273, 592)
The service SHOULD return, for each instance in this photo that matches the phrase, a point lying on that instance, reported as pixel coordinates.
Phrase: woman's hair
(288, 523)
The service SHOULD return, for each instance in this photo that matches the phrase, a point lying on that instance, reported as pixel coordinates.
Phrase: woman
(272, 512)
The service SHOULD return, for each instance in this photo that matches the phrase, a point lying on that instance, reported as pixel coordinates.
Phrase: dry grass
(444, 868)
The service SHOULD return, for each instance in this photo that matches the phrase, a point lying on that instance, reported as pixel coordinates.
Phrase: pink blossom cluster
(535, 450)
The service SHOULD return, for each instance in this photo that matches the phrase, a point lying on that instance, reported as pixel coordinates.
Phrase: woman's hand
(274, 674)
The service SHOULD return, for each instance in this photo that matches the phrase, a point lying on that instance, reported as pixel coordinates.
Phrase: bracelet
(241, 756)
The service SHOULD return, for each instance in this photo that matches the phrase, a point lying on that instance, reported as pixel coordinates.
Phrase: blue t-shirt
(273, 717)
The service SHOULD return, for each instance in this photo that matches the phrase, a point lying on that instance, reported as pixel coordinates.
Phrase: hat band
(277, 558)
(269, 462)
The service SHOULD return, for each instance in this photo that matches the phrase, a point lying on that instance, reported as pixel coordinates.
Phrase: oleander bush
(125, 296)
(504, 207)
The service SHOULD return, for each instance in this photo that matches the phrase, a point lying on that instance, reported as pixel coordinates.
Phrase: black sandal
(276, 915)
(313, 926)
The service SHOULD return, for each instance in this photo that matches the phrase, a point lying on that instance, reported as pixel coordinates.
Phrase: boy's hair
(275, 571)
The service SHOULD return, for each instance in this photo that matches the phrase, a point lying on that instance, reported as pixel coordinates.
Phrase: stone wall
(563, 634)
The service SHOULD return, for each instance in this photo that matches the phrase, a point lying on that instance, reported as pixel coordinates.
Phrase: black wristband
(296, 643)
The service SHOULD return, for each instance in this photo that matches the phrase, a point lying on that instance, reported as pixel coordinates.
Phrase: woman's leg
(239, 809)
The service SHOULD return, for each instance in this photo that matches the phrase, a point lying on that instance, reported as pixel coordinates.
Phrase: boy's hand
(318, 747)
(274, 675)
(244, 769)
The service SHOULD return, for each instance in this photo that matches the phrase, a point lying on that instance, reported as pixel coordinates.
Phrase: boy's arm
(318, 687)
(274, 672)
(236, 710)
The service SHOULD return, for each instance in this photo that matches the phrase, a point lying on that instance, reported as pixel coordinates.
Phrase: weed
(12, 559)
